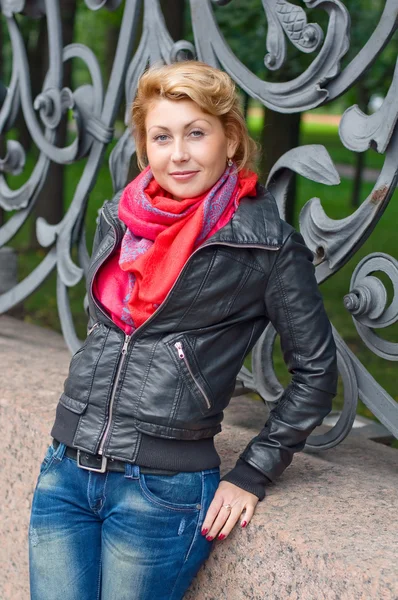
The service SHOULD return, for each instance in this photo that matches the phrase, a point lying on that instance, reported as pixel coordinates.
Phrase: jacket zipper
(101, 263)
(182, 356)
(127, 338)
(124, 348)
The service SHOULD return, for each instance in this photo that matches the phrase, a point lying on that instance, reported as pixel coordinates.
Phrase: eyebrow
(185, 127)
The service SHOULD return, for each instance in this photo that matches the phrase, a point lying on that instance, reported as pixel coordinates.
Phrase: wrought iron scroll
(94, 109)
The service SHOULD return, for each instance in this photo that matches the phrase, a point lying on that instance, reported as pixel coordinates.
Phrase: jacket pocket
(184, 357)
(73, 405)
(82, 368)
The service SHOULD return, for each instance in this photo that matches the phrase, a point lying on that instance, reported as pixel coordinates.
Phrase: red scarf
(161, 234)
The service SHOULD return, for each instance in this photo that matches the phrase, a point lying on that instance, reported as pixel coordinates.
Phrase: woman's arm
(294, 306)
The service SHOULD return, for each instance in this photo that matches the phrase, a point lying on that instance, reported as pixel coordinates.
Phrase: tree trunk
(32, 35)
(2, 141)
(246, 103)
(281, 133)
(3, 92)
(1, 56)
(50, 203)
(174, 15)
(357, 181)
(112, 38)
(362, 101)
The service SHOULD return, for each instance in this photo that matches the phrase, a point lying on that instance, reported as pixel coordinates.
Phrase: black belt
(100, 464)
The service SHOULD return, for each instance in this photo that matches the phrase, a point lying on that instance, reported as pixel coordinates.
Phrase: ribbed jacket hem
(177, 455)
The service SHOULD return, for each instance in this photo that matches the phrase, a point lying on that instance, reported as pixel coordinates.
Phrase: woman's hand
(220, 520)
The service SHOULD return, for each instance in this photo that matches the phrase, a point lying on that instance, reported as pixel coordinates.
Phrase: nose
(179, 151)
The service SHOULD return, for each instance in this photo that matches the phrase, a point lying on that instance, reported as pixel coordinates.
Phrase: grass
(41, 307)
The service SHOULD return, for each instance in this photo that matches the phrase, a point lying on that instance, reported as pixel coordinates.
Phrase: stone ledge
(327, 530)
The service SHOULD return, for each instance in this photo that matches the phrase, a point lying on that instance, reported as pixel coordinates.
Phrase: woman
(189, 265)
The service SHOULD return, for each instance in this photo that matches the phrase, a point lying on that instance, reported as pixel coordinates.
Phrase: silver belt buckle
(101, 469)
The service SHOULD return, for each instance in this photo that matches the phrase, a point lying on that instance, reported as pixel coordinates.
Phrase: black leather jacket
(175, 375)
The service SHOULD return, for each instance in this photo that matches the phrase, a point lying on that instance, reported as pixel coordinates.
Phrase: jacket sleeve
(98, 236)
(294, 305)
(99, 233)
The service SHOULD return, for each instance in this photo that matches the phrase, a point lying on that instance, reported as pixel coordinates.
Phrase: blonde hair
(211, 89)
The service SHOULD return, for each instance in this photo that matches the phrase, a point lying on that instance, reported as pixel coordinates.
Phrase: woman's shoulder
(264, 213)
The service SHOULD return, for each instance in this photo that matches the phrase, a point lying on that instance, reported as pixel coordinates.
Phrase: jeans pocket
(180, 492)
(47, 460)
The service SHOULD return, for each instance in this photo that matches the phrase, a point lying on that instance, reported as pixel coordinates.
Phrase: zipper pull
(126, 343)
(92, 328)
(180, 351)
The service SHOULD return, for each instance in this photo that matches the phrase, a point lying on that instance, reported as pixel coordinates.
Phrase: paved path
(348, 171)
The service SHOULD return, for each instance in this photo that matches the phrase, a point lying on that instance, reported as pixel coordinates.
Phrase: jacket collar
(256, 222)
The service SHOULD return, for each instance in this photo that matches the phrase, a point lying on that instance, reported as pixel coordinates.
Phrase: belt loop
(60, 451)
(131, 471)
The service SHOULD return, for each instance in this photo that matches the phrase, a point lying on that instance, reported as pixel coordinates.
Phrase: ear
(232, 145)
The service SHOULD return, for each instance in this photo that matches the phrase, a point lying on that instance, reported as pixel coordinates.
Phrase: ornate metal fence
(333, 242)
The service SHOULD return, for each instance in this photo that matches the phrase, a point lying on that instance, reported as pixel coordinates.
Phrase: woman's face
(187, 149)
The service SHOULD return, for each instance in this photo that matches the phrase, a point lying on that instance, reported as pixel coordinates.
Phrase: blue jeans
(116, 536)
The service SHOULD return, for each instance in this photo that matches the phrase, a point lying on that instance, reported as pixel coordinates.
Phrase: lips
(183, 175)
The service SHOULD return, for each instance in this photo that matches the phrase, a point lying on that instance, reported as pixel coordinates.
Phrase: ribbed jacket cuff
(248, 478)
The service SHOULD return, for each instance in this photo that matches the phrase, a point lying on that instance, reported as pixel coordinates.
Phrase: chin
(186, 192)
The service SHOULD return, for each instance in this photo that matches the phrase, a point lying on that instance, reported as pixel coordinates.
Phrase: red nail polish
(209, 538)
(221, 536)
(204, 531)
(244, 523)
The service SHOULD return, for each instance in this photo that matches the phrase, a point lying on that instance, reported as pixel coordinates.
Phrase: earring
(229, 162)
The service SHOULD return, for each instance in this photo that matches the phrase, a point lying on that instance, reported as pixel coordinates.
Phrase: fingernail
(209, 538)
(204, 531)
(221, 536)
(244, 523)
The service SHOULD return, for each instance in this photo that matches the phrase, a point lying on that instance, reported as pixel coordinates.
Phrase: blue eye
(197, 133)
(162, 137)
